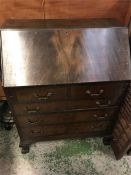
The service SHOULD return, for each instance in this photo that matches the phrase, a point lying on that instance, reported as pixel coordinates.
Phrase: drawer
(66, 129)
(101, 90)
(88, 104)
(37, 108)
(37, 94)
(68, 117)
(95, 115)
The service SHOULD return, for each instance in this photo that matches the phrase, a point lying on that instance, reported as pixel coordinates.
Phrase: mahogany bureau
(65, 79)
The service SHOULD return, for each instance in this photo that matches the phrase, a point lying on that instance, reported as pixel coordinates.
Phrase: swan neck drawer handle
(36, 132)
(96, 116)
(98, 103)
(45, 97)
(88, 92)
(32, 122)
(35, 110)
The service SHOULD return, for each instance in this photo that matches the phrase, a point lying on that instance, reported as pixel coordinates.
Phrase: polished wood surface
(66, 56)
(52, 9)
(118, 9)
(20, 9)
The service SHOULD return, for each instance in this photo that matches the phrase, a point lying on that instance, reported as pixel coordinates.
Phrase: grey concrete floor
(65, 157)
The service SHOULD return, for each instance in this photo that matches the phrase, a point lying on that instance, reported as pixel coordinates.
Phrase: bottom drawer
(65, 129)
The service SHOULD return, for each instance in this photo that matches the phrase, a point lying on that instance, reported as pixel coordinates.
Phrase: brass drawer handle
(31, 111)
(98, 103)
(45, 97)
(32, 122)
(88, 92)
(105, 116)
(35, 132)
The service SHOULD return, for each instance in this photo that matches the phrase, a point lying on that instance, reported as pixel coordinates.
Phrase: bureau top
(62, 55)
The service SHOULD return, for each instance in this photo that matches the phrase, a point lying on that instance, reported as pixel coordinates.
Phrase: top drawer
(101, 90)
(37, 94)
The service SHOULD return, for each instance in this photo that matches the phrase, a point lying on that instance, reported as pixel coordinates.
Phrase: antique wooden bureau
(67, 79)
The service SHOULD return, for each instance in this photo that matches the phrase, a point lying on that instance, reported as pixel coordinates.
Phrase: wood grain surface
(52, 9)
(66, 56)
(87, 9)
(20, 9)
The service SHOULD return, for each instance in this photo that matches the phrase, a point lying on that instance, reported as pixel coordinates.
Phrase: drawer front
(66, 129)
(37, 94)
(37, 108)
(88, 104)
(68, 117)
(112, 90)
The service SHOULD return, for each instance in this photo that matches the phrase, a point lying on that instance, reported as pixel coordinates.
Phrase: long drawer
(81, 91)
(37, 108)
(65, 129)
(68, 117)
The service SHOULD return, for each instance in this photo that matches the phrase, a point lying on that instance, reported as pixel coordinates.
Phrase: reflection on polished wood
(64, 56)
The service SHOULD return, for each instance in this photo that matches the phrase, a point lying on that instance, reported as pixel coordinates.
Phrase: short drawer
(38, 108)
(101, 90)
(37, 94)
(66, 129)
(67, 117)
